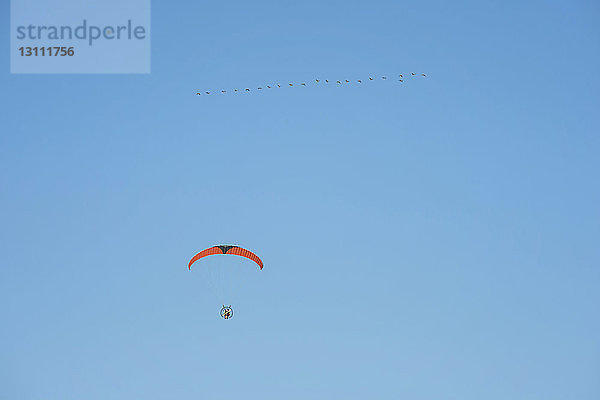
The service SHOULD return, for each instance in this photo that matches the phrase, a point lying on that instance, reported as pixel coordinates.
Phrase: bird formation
(399, 78)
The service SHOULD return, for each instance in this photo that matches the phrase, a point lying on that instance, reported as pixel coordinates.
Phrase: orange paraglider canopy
(229, 250)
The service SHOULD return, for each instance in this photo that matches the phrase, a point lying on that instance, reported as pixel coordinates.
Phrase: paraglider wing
(229, 250)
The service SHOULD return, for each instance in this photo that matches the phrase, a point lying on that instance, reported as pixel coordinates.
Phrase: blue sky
(437, 240)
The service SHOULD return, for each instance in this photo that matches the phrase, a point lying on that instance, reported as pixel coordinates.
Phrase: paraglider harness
(226, 312)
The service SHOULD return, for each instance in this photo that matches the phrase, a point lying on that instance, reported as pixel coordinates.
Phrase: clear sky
(437, 240)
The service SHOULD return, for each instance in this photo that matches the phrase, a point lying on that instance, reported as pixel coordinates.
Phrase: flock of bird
(400, 78)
